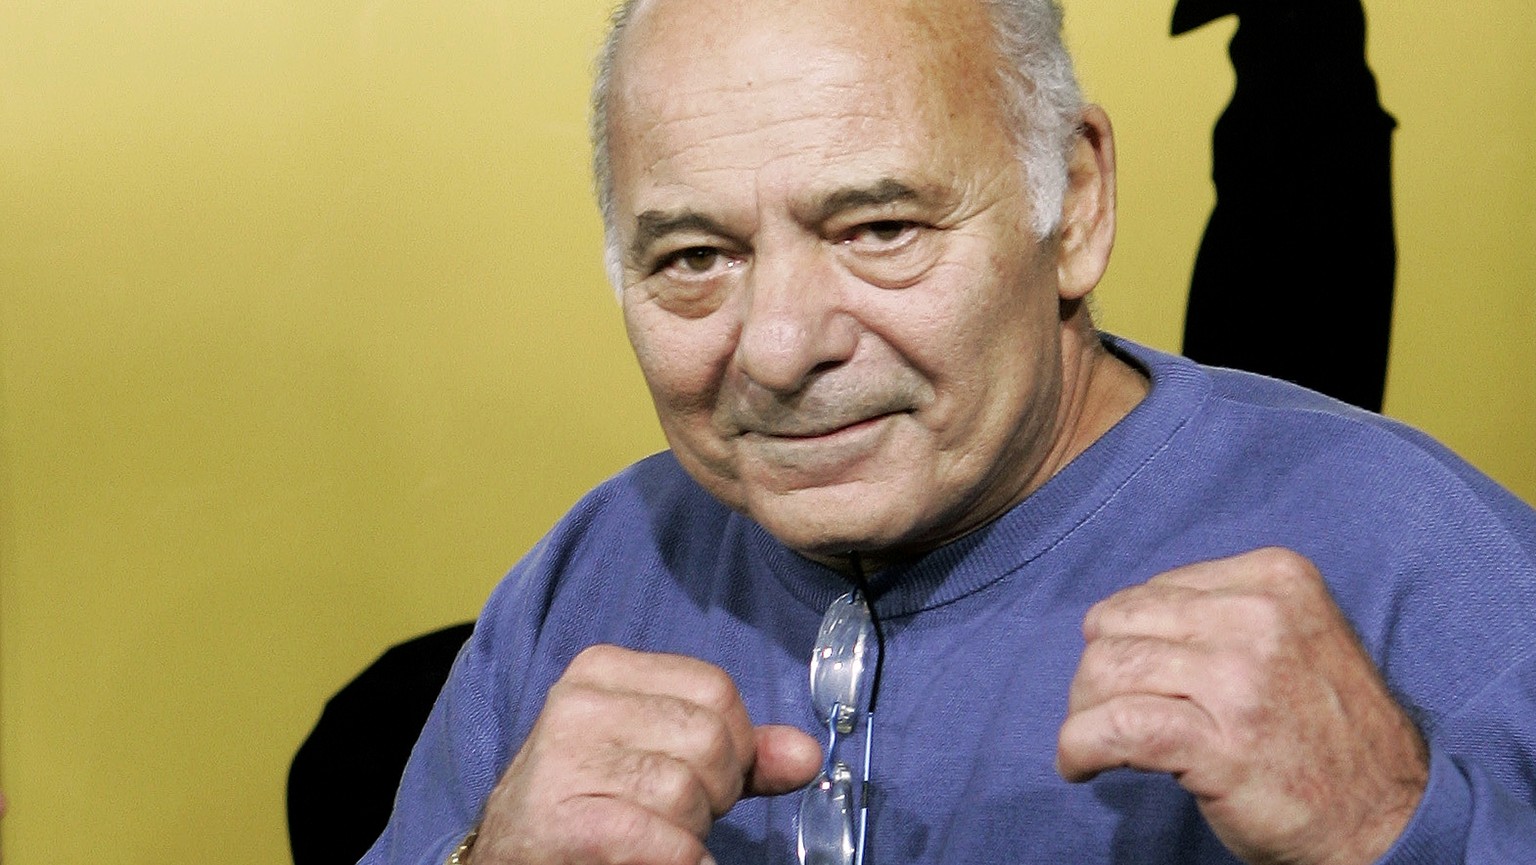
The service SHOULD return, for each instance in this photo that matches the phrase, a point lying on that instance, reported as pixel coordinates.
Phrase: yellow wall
(303, 340)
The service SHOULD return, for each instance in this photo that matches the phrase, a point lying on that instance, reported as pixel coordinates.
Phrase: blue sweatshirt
(1433, 563)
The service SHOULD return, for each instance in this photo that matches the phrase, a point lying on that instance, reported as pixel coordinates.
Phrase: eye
(890, 253)
(698, 259)
(881, 233)
(888, 230)
(694, 261)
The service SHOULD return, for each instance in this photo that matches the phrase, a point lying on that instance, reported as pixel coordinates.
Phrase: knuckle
(1095, 659)
(1093, 620)
(1138, 729)
(665, 783)
(1133, 658)
(1114, 614)
(1109, 662)
(1245, 706)
(1284, 569)
(572, 706)
(1071, 746)
(1242, 696)
(1260, 615)
(1135, 662)
(591, 660)
(716, 748)
(707, 709)
(714, 689)
(1124, 725)
(1081, 748)
(705, 741)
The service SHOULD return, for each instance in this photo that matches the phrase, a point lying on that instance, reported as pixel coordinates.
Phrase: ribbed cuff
(1437, 834)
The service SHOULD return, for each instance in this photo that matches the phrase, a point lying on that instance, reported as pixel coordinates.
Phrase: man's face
(846, 326)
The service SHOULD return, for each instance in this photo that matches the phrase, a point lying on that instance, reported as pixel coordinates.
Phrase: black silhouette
(1294, 276)
(342, 783)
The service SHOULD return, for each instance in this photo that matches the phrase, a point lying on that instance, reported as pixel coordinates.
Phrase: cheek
(954, 319)
(684, 363)
(980, 339)
(682, 360)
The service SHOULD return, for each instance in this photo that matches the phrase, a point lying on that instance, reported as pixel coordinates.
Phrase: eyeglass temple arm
(864, 790)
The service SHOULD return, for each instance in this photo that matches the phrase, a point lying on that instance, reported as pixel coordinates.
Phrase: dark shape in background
(341, 786)
(1294, 276)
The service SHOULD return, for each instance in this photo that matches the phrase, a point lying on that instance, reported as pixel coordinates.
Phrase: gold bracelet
(460, 854)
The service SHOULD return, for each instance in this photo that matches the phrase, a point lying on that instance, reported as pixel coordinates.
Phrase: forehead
(711, 85)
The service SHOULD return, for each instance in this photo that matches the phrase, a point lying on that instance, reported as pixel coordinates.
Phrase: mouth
(826, 432)
(800, 456)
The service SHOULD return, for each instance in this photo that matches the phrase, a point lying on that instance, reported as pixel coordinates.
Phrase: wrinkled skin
(1242, 679)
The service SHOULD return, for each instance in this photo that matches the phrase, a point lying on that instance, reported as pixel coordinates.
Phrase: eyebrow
(653, 225)
(885, 191)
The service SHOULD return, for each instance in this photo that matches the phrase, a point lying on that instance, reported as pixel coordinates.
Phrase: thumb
(787, 759)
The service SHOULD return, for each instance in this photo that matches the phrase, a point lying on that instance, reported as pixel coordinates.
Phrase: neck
(1098, 390)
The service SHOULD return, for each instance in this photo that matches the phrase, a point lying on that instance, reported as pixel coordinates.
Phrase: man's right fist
(632, 759)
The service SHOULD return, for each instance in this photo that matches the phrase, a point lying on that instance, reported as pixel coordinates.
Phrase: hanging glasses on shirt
(845, 683)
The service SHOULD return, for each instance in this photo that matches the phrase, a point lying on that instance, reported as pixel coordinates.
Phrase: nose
(795, 322)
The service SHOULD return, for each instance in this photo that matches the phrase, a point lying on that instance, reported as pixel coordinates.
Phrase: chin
(831, 528)
(819, 521)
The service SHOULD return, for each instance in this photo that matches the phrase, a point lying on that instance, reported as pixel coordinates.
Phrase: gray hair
(1044, 105)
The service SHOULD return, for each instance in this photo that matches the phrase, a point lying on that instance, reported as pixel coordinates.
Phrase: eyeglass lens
(832, 815)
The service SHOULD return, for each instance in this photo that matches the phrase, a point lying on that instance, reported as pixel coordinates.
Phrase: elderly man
(1061, 598)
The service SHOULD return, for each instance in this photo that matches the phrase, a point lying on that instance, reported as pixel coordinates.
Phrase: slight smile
(822, 456)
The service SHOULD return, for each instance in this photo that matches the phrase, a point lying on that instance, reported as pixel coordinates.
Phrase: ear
(1087, 232)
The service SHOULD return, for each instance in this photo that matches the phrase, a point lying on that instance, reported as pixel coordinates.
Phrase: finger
(615, 740)
(1238, 618)
(1154, 734)
(690, 680)
(787, 759)
(1161, 605)
(1150, 610)
(536, 795)
(1263, 568)
(661, 784)
(1114, 666)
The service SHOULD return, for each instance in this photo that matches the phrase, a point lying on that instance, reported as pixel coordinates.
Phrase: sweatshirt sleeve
(1465, 816)
(1480, 804)
(554, 602)
(453, 766)
(479, 720)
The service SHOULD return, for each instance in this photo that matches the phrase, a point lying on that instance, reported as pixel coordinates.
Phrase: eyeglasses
(834, 811)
